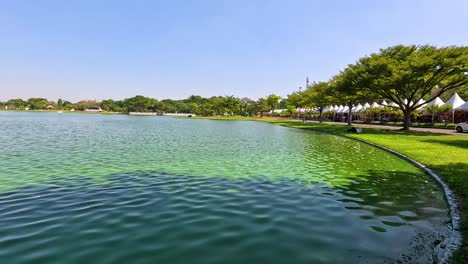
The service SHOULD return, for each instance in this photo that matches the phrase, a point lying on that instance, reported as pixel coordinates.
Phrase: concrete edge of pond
(444, 250)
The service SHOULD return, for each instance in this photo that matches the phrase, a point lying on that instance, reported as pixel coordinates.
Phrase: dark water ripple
(151, 217)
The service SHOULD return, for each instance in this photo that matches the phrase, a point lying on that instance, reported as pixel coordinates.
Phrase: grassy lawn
(447, 155)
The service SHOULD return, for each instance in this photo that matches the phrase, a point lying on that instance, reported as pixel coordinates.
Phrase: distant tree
(319, 95)
(60, 104)
(67, 105)
(109, 105)
(84, 104)
(247, 106)
(231, 104)
(37, 103)
(262, 106)
(435, 110)
(139, 103)
(17, 104)
(273, 102)
(347, 89)
(298, 99)
(217, 104)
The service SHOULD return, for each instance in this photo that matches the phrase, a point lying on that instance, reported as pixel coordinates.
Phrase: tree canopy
(407, 75)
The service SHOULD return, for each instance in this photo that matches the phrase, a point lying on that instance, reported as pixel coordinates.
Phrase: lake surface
(86, 188)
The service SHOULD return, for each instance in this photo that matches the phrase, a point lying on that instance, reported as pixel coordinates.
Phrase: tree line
(409, 76)
(215, 105)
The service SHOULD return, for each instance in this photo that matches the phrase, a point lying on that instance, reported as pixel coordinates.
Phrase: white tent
(375, 105)
(340, 108)
(463, 107)
(393, 104)
(383, 103)
(335, 108)
(422, 103)
(406, 101)
(345, 109)
(455, 101)
(357, 108)
(436, 101)
(365, 106)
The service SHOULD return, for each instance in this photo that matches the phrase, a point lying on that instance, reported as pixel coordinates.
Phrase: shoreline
(451, 250)
(445, 250)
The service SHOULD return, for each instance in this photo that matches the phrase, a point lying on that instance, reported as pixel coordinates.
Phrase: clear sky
(98, 49)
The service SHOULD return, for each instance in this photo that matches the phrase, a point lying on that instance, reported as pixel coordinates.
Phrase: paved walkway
(421, 129)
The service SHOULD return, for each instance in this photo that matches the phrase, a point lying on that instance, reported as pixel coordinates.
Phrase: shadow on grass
(454, 143)
(342, 129)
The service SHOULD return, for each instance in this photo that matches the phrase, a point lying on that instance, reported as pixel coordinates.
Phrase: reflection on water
(106, 189)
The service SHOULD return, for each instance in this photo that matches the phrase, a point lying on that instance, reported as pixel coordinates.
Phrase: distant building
(93, 109)
(50, 107)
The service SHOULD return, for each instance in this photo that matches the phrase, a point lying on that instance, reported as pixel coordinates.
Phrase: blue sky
(98, 49)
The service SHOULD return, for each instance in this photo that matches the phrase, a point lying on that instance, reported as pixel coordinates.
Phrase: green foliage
(407, 74)
(347, 88)
(16, 104)
(437, 109)
(60, 104)
(37, 103)
(297, 99)
(262, 106)
(84, 104)
(273, 101)
(139, 103)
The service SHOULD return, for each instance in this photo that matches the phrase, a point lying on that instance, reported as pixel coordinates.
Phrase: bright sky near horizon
(91, 49)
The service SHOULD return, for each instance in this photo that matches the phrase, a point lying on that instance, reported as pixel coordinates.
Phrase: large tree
(298, 99)
(347, 89)
(37, 103)
(407, 75)
(319, 95)
(16, 104)
(140, 103)
(273, 101)
(231, 104)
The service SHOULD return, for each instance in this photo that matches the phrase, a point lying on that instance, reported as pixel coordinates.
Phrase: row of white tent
(455, 102)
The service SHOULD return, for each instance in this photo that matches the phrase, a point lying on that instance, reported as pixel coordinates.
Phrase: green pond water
(78, 188)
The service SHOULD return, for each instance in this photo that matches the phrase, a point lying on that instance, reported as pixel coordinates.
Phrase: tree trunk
(407, 120)
(320, 116)
(350, 115)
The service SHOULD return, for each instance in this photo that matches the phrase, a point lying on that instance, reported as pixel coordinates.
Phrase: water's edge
(443, 252)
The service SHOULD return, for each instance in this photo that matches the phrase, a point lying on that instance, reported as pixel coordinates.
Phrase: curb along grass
(443, 251)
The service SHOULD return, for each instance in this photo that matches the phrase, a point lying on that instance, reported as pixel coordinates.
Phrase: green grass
(447, 155)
